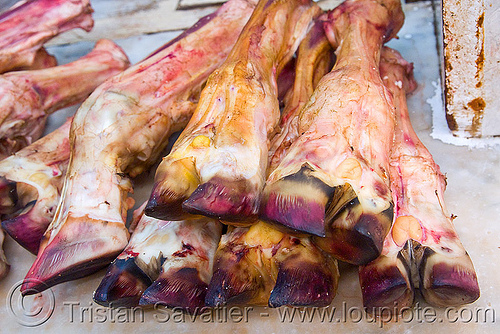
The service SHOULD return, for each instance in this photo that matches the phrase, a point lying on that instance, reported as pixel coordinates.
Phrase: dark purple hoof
(180, 288)
(228, 287)
(165, 205)
(384, 285)
(80, 248)
(224, 199)
(123, 284)
(42, 276)
(355, 236)
(28, 227)
(447, 280)
(304, 284)
(298, 201)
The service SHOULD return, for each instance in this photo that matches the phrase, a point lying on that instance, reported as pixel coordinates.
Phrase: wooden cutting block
(472, 66)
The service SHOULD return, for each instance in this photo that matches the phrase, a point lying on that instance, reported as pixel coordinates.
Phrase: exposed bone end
(448, 280)
(356, 235)
(396, 15)
(20, 134)
(123, 284)
(174, 183)
(236, 280)
(297, 201)
(385, 16)
(224, 199)
(394, 68)
(177, 288)
(81, 247)
(305, 280)
(84, 20)
(47, 19)
(28, 227)
(386, 282)
(118, 56)
(389, 24)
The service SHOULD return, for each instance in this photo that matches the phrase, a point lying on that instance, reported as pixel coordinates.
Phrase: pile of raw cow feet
(296, 151)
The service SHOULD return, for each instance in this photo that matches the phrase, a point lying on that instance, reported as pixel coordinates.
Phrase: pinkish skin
(306, 276)
(316, 62)
(184, 284)
(313, 68)
(261, 265)
(26, 27)
(442, 268)
(387, 281)
(341, 143)
(119, 131)
(150, 269)
(217, 166)
(184, 277)
(32, 178)
(28, 97)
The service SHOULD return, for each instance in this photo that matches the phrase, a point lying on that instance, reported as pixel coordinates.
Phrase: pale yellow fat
(189, 172)
(264, 235)
(200, 141)
(349, 169)
(405, 228)
(40, 179)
